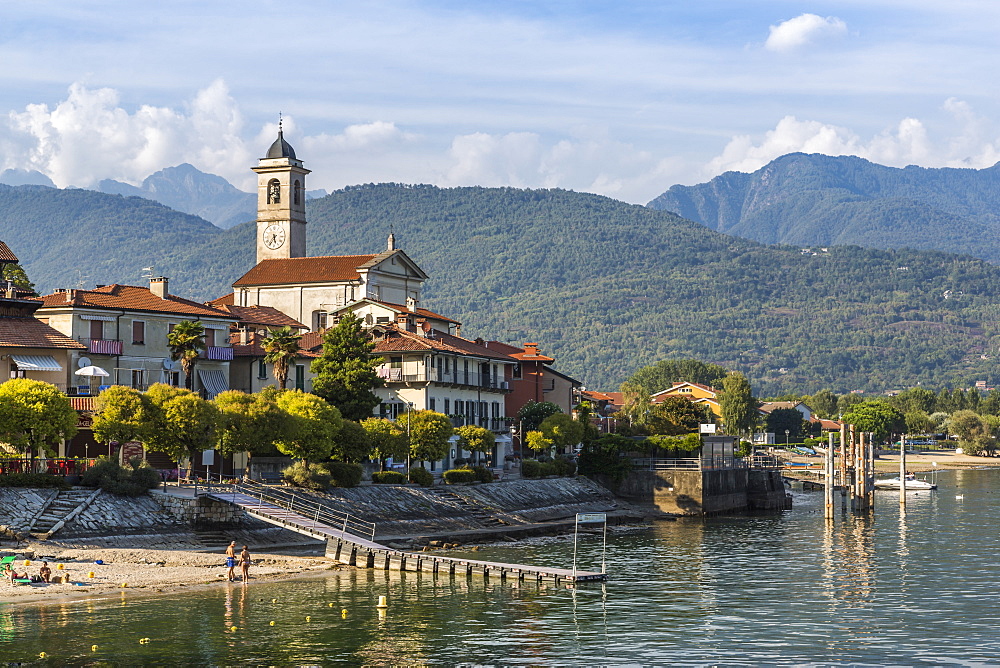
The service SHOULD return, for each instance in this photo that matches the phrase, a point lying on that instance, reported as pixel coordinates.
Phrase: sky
(622, 98)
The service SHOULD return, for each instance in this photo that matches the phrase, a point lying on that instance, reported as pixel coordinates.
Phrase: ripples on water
(783, 589)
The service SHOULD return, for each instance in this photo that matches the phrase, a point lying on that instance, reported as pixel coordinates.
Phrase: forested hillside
(603, 286)
(819, 200)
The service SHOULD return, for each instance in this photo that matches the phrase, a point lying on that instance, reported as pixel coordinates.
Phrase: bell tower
(281, 202)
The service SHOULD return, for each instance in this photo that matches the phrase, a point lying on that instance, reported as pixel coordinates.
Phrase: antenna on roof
(81, 280)
(149, 272)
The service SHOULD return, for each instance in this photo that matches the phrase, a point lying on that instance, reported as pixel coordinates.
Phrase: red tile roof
(5, 254)
(132, 298)
(420, 312)
(254, 349)
(297, 270)
(32, 333)
(398, 340)
(520, 353)
(768, 406)
(260, 315)
(223, 300)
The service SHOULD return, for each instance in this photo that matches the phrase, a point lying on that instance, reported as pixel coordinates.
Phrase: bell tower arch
(281, 202)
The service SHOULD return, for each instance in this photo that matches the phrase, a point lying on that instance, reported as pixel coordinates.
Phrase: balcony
(220, 353)
(103, 346)
(461, 379)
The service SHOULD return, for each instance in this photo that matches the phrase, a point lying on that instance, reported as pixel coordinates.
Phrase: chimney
(70, 295)
(158, 286)
(411, 304)
(423, 328)
(391, 244)
(244, 336)
(531, 349)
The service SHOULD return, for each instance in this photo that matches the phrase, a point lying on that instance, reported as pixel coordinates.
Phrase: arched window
(296, 189)
(273, 192)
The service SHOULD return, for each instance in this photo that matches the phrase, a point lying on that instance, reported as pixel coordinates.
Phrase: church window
(273, 192)
(296, 192)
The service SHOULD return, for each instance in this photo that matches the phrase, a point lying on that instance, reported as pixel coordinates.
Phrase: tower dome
(281, 149)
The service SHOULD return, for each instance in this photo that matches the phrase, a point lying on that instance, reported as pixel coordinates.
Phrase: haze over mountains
(604, 286)
(808, 200)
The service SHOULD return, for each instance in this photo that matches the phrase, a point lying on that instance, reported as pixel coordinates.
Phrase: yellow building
(696, 392)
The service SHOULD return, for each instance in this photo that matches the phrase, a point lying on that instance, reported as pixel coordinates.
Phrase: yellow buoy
(308, 619)
(232, 628)
(93, 648)
(124, 584)
(382, 602)
(274, 600)
(344, 611)
(331, 605)
(272, 623)
(90, 574)
(27, 562)
(59, 567)
(41, 655)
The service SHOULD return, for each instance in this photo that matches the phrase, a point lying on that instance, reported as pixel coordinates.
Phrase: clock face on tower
(274, 236)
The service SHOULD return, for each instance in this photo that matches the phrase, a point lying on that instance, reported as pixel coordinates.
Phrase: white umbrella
(92, 371)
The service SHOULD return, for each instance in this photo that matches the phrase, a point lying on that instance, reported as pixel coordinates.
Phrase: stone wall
(194, 512)
(20, 506)
(124, 514)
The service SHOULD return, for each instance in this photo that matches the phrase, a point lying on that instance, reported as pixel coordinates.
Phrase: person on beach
(245, 563)
(231, 560)
(45, 572)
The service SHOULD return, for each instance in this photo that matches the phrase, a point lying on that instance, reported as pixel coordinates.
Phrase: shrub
(135, 479)
(564, 466)
(744, 449)
(344, 474)
(455, 476)
(309, 476)
(33, 480)
(483, 474)
(460, 462)
(388, 478)
(548, 468)
(530, 468)
(421, 476)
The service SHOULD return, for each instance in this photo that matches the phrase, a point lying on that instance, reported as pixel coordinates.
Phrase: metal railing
(651, 464)
(292, 502)
(431, 375)
(61, 466)
(706, 463)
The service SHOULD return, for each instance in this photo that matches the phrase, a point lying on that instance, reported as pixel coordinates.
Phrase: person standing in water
(231, 560)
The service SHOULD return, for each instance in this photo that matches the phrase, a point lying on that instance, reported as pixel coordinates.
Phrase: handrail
(314, 510)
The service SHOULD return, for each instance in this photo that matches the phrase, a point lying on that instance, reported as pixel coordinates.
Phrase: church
(427, 364)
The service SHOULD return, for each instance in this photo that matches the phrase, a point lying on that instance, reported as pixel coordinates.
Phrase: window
(138, 332)
(432, 402)
(447, 408)
(296, 192)
(382, 320)
(261, 370)
(517, 371)
(465, 364)
(447, 365)
(273, 192)
(319, 320)
(440, 367)
(174, 378)
(300, 377)
(138, 377)
(209, 337)
(97, 330)
(396, 362)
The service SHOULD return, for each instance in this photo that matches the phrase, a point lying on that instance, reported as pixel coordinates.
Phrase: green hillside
(819, 200)
(604, 286)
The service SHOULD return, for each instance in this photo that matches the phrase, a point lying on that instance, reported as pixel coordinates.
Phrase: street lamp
(786, 438)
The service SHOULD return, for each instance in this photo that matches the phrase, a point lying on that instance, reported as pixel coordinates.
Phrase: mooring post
(843, 465)
(828, 486)
(902, 472)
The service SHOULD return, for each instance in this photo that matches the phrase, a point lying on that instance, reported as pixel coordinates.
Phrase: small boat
(912, 484)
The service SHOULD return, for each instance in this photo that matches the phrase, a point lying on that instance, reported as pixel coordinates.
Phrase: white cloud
(971, 142)
(802, 30)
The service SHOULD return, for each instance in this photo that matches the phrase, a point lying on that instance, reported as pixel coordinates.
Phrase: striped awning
(36, 363)
(214, 381)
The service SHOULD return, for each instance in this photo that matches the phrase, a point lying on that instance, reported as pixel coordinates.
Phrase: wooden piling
(828, 487)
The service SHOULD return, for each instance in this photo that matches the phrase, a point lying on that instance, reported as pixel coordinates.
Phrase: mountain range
(820, 200)
(605, 287)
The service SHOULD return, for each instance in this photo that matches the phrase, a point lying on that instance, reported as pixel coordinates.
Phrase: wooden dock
(345, 546)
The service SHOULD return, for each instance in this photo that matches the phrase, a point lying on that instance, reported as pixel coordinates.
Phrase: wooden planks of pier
(364, 553)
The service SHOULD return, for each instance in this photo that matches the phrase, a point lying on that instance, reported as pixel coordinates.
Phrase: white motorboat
(912, 484)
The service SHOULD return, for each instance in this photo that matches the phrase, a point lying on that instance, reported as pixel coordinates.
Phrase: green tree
(877, 417)
(537, 441)
(531, 414)
(780, 419)
(562, 430)
(475, 438)
(666, 373)
(179, 423)
(918, 422)
(352, 443)
(313, 429)
(824, 404)
(250, 423)
(914, 399)
(428, 433)
(16, 275)
(976, 435)
(738, 405)
(585, 416)
(636, 403)
(345, 372)
(186, 341)
(35, 415)
(280, 347)
(676, 415)
(120, 415)
(387, 439)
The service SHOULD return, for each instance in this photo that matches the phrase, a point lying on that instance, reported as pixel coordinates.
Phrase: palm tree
(186, 341)
(281, 346)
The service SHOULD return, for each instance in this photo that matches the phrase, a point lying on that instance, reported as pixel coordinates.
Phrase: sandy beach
(149, 571)
(924, 461)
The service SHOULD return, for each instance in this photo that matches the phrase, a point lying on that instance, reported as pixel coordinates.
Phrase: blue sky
(619, 98)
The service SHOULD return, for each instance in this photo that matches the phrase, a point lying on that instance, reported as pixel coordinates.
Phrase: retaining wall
(687, 492)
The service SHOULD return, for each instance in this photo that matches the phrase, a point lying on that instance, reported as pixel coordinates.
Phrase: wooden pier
(344, 544)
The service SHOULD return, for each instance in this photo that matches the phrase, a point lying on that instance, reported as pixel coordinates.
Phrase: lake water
(783, 589)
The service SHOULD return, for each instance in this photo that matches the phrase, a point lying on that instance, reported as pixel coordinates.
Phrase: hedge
(388, 478)
(455, 476)
(421, 476)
